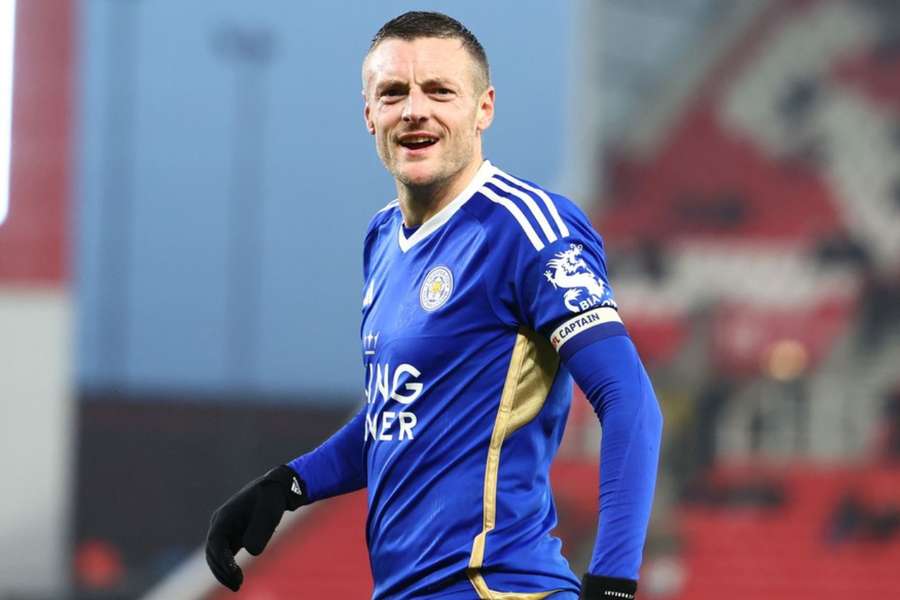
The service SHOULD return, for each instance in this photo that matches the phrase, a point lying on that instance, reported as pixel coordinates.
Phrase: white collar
(485, 171)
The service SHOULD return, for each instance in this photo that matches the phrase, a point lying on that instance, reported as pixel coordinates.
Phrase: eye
(442, 93)
(392, 94)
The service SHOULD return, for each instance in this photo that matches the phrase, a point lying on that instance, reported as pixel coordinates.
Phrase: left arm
(562, 290)
(609, 371)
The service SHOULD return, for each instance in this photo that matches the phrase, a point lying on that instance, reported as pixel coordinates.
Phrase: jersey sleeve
(564, 289)
(610, 373)
(338, 465)
(558, 286)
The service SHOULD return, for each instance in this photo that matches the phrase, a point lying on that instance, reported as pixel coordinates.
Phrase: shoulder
(381, 224)
(382, 219)
(524, 214)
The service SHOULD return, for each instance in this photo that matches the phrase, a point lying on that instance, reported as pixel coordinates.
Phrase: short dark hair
(417, 24)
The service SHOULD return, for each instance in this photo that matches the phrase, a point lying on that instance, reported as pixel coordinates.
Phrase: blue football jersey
(463, 324)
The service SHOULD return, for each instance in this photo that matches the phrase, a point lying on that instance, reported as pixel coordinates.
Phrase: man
(482, 293)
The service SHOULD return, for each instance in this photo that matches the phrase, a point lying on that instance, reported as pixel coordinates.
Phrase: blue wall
(211, 126)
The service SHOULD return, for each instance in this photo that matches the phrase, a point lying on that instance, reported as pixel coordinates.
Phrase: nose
(414, 107)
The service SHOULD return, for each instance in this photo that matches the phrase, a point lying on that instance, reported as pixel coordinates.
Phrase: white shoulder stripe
(548, 202)
(530, 203)
(517, 214)
(389, 205)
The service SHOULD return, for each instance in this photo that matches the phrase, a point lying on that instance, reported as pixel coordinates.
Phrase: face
(426, 109)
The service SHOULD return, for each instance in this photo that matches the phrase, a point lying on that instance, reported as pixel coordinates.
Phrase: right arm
(337, 466)
(249, 518)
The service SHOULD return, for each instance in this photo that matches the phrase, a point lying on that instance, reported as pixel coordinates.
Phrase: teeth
(417, 140)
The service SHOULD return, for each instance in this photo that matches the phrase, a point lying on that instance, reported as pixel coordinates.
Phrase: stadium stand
(747, 551)
(772, 199)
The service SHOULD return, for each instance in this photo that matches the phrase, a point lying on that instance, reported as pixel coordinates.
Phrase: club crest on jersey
(583, 289)
(436, 288)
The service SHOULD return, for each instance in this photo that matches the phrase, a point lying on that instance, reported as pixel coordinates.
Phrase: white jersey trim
(548, 202)
(519, 216)
(434, 223)
(530, 203)
(389, 205)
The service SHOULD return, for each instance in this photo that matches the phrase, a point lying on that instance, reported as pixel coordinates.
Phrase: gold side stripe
(485, 593)
(532, 369)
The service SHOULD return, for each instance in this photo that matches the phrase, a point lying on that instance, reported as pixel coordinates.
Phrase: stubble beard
(443, 175)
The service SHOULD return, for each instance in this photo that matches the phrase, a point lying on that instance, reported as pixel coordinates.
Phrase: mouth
(417, 141)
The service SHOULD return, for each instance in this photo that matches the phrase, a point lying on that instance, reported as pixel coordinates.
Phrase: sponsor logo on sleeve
(584, 290)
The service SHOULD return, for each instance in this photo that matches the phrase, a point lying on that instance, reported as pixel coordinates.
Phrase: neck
(420, 203)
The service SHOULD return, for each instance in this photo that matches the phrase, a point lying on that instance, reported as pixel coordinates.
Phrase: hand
(595, 587)
(248, 519)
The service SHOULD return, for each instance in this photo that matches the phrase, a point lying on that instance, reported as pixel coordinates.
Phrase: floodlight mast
(7, 49)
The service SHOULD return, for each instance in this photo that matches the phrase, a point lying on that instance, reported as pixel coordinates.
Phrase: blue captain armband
(581, 330)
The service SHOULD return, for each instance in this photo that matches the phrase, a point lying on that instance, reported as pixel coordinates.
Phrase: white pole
(7, 49)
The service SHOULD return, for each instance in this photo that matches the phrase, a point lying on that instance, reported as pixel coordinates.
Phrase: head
(428, 98)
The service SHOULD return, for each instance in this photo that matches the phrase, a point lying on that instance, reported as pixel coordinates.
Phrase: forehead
(419, 59)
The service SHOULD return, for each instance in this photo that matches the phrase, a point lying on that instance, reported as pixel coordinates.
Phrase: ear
(485, 115)
(367, 111)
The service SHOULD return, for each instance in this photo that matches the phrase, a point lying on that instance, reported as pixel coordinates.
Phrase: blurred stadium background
(179, 278)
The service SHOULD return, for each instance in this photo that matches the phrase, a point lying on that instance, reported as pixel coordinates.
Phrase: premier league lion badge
(436, 288)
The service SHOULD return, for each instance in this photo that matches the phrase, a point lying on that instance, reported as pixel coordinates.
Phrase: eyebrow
(382, 85)
(439, 81)
(432, 81)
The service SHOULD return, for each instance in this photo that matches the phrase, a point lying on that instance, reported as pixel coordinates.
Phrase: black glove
(248, 519)
(594, 587)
